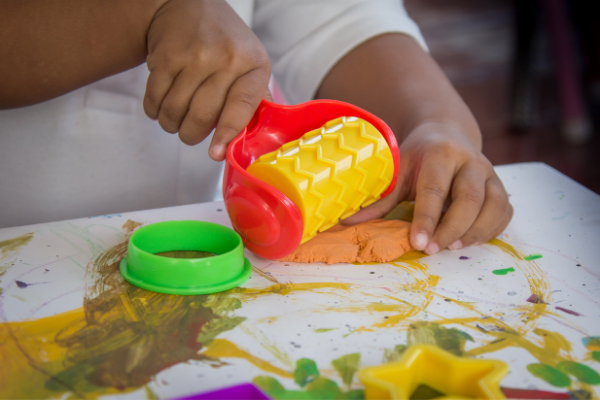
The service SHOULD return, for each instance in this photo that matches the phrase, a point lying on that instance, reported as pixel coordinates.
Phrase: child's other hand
(438, 164)
(207, 70)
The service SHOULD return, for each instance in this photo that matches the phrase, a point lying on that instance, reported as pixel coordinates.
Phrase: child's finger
(157, 87)
(268, 96)
(493, 213)
(468, 194)
(205, 108)
(242, 101)
(379, 209)
(433, 185)
(176, 103)
(505, 221)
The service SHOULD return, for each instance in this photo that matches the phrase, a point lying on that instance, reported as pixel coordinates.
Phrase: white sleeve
(306, 38)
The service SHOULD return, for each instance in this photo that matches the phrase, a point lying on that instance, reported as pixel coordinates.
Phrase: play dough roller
(330, 172)
(296, 170)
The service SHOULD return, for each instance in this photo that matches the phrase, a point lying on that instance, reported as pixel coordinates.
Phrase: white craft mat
(129, 343)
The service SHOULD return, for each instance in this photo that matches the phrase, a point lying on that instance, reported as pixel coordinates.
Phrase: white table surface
(77, 328)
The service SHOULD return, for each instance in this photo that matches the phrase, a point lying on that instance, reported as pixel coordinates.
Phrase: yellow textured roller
(329, 173)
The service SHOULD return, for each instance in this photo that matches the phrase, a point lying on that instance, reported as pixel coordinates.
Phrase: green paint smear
(596, 355)
(395, 354)
(10, 248)
(449, 339)
(580, 371)
(322, 330)
(531, 257)
(503, 271)
(306, 375)
(320, 388)
(222, 306)
(549, 374)
(400, 348)
(306, 371)
(424, 392)
(347, 366)
(76, 377)
(215, 327)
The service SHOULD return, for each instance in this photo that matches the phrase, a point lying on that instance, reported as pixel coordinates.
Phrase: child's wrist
(445, 129)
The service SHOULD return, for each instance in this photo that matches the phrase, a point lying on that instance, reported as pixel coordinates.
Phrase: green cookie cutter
(227, 269)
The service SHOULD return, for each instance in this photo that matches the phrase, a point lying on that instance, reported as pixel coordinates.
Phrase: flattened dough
(378, 240)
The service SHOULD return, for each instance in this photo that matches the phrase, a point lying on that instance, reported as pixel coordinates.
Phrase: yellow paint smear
(30, 355)
(269, 345)
(286, 288)
(28, 351)
(538, 281)
(422, 285)
(223, 348)
(547, 347)
(410, 256)
(263, 274)
(538, 284)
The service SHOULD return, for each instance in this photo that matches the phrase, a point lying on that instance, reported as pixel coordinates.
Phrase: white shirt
(93, 151)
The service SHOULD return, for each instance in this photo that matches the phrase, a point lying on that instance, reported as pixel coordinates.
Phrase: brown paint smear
(130, 225)
(124, 335)
(377, 240)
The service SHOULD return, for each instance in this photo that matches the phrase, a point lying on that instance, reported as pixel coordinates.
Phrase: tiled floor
(473, 43)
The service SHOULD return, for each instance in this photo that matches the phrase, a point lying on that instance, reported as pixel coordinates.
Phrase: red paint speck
(533, 394)
(568, 311)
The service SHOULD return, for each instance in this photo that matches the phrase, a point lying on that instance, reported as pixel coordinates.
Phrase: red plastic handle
(268, 221)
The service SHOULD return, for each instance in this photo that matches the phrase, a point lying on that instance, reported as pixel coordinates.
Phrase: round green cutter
(227, 269)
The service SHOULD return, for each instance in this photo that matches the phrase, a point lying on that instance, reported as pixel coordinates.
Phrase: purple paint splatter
(535, 299)
(568, 311)
(23, 285)
(464, 258)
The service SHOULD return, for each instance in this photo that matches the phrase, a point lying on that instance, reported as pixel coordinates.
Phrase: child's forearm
(440, 144)
(50, 47)
(395, 79)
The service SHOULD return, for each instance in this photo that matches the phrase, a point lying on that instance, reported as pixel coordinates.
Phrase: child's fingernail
(217, 151)
(432, 248)
(456, 245)
(421, 240)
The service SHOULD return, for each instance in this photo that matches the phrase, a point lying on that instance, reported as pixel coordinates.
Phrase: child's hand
(439, 164)
(207, 70)
(440, 143)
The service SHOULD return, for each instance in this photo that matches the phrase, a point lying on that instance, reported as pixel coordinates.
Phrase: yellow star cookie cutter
(438, 369)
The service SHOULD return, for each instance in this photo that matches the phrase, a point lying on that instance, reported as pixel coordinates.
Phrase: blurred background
(530, 72)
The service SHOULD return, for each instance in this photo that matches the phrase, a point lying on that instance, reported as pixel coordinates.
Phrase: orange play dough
(378, 240)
